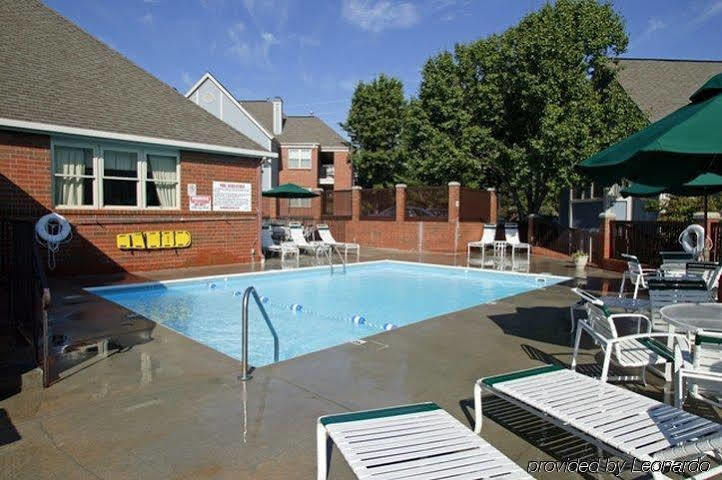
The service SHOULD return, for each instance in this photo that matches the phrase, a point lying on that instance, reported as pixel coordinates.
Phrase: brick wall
(342, 171)
(301, 177)
(217, 237)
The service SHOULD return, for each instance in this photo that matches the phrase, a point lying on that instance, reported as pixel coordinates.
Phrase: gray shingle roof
(659, 87)
(262, 111)
(51, 71)
(309, 130)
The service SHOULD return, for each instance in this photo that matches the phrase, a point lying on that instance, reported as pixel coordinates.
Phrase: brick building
(310, 153)
(86, 133)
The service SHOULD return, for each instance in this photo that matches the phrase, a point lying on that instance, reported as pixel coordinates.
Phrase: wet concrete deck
(173, 408)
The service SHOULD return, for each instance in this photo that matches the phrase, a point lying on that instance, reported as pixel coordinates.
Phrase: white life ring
(42, 231)
(696, 248)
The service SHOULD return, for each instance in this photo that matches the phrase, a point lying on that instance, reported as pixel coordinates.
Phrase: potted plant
(580, 259)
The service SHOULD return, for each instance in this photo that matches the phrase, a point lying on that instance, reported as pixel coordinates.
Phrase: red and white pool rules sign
(231, 197)
(199, 203)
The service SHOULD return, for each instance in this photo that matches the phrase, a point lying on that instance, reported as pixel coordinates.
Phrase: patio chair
(663, 292)
(327, 237)
(488, 237)
(674, 263)
(636, 275)
(710, 272)
(284, 249)
(625, 423)
(419, 441)
(702, 376)
(511, 233)
(639, 350)
(612, 302)
(298, 238)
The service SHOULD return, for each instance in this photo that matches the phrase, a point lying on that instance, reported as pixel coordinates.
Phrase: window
(590, 192)
(161, 185)
(74, 178)
(299, 158)
(109, 176)
(299, 202)
(120, 178)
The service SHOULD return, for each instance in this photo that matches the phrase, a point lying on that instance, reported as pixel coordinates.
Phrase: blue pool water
(209, 309)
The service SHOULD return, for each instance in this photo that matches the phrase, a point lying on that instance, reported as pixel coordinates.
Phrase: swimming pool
(312, 309)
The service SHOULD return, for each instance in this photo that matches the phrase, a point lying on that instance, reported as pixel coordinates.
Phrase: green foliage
(374, 124)
(683, 208)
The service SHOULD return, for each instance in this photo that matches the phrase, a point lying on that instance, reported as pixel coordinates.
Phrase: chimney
(277, 115)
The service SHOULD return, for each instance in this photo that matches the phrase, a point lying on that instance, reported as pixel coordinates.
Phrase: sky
(312, 53)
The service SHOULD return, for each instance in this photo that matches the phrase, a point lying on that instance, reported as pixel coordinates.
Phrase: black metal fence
(645, 239)
(336, 204)
(378, 204)
(716, 235)
(427, 204)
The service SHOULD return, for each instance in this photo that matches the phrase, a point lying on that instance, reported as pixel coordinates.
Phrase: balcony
(326, 175)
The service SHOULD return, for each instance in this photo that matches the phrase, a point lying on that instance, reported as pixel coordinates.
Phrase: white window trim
(587, 190)
(98, 150)
(306, 202)
(310, 158)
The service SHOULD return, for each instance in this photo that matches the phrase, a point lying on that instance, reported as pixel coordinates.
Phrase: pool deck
(175, 409)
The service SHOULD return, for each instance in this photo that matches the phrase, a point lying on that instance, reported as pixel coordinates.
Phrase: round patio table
(690, 317)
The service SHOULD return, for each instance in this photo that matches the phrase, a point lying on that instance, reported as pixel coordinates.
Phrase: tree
(682, 209)
(374, 124)
(518, 110)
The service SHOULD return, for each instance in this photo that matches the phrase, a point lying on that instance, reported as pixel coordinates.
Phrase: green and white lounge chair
(419, 441)
(701, 376)
(620, 421)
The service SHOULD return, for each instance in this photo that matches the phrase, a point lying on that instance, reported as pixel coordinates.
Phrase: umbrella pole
(706, 233)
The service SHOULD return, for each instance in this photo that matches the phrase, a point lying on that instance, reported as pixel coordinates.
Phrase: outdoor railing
(295, 209)
(645, 239)
(558, 238)
(378, 204)
(473, 205)
(716, 236)
(336, 204)
(427, 204)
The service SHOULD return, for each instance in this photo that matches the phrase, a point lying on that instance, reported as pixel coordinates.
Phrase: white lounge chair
(702, 376)
(488, 236)
(298, 238)
(419, 441)
(620, 421)
(636, 274)
(327, 237)
(284, 249)
(709, 272)
(640, 350)
(511, 232)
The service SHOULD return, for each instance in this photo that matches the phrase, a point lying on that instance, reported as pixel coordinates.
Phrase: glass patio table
(690, 317)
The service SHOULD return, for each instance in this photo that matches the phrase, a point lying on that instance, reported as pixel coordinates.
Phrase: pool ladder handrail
(244, 330)
(329, 256)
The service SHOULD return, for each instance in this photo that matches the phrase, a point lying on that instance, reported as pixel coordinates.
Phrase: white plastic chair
(609, 301)
(284, 249)
(327, 237)
(488, 237)
(511, 232)
(702, 376)
(636, 274)
(640, 350)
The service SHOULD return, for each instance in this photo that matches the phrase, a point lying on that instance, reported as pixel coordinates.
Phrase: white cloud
(380, 15)
(186, 78)
(147, 19)
(712, 10)
(238, 47)
(348, 84)
(248, 50)
(653, 25)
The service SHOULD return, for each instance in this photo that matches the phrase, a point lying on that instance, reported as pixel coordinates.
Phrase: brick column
(454, 197)
(493, 205)
(531, 233)
(400, 202)
(317, 204)
(605, 233)
(355, 203)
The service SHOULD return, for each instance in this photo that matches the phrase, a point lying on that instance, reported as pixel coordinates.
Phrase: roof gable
(309, 129)
(660, 86)
(261, 110)
(55, 73)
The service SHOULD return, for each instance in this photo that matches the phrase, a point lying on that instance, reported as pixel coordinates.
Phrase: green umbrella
(703, 185)
(289, 190)
(671, 151)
